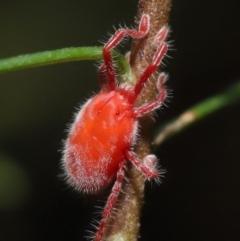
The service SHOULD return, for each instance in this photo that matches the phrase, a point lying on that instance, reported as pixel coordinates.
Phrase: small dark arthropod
(104, 131)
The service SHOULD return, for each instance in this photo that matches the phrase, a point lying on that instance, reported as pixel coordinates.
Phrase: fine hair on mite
(101, 138)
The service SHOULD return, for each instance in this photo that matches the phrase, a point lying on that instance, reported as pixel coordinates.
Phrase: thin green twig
(198, 112)
(59, 56)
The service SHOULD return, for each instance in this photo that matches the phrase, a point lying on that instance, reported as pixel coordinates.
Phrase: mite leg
(110, 202)
(148, 167)
(155, 104)
(162, 48)
(115, 40)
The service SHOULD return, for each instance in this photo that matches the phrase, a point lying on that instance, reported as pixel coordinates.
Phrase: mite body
(103, 129)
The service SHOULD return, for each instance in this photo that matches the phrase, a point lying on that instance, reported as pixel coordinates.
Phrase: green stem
(58, 56)
(198, 112)
(217, 102)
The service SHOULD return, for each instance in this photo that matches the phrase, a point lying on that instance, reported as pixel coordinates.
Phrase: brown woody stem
(126, 222)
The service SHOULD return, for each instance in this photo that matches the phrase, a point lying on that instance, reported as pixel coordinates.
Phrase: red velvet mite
(104, 131)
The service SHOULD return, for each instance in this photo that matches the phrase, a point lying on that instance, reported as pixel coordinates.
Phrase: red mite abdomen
(103, 128)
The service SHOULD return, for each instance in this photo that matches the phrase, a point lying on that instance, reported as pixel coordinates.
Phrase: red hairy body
(104, 127)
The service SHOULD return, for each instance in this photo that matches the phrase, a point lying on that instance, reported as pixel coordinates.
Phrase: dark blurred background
(200, 196)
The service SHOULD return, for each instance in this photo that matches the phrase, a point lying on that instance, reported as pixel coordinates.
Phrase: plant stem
(60, 56)
(198, 112)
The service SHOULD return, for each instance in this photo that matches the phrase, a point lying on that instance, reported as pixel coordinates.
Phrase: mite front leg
(162, 48)
(115, 40)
